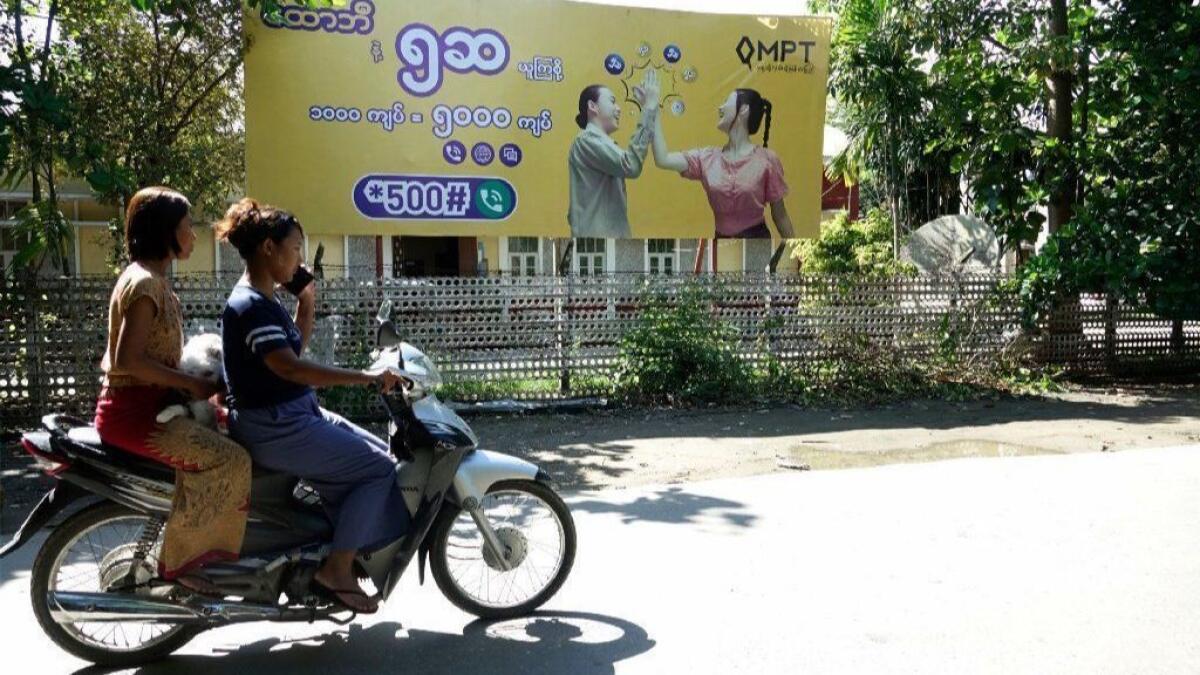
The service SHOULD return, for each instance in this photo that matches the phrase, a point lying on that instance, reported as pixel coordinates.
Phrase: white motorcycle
(499, 539)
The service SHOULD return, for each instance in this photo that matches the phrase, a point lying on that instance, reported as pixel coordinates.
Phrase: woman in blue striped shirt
(274, 412)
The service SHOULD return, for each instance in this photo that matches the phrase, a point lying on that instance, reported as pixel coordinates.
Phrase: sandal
(335, 595)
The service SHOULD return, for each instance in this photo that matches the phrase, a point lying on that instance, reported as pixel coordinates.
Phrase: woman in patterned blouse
(141, 367)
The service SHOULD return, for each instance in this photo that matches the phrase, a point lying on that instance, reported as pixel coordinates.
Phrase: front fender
(483, 468)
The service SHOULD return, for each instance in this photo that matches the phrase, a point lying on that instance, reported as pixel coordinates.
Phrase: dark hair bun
(241, 226)
(247, 224)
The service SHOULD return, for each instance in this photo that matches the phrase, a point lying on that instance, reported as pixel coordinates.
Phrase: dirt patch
(811, 457)
(626, 447)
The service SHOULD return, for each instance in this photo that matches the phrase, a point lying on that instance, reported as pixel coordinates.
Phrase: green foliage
(1136, 231)
(883, 95)
(34, 123)
(861, 248)
(166, 107)
(45, 231)
(122, 93)
(679, 352)
(938, 93)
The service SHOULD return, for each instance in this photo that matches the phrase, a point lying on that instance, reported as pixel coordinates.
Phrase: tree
(1087, 109)
(878, 82)
(1136, 232)
(167, 106)
(936, 95)
(123, 93)
(1059, 122)
(34, 121)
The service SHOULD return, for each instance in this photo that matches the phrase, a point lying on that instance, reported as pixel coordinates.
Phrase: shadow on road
(674, 505)
(546, 642)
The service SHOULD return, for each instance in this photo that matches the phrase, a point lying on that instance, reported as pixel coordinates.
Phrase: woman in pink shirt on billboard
(740, 178)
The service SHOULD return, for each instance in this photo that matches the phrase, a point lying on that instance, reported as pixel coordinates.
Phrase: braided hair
(759, 108)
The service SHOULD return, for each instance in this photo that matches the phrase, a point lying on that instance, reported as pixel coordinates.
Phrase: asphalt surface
(1083, 563)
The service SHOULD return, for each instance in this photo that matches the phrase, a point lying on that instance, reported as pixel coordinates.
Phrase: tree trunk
(1065, 318)
(1058, 120)
(1085, 93)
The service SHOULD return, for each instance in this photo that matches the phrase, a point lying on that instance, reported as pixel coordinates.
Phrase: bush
(678, 352)
(861, 248)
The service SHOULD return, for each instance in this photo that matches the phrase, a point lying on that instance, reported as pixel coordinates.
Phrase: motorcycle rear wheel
(98, 542)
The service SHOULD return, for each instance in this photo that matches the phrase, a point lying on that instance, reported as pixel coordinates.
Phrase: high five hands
(646, 94)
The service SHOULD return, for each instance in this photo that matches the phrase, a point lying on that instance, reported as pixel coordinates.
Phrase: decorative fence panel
(559, 337)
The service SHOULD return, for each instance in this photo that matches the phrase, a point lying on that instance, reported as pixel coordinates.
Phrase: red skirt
(125, 417)
(212, 475)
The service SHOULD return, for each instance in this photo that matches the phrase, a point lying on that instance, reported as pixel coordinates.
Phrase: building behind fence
(558, 337)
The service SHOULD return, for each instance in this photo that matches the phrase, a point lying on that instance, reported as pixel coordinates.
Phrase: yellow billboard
(536, 118)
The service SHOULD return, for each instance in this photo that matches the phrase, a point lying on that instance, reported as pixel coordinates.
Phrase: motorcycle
(498, 539)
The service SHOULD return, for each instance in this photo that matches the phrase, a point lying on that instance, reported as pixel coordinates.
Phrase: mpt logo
(751, 51)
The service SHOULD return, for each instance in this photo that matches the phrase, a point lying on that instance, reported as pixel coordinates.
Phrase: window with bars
(10, 244)
(589, 256)
(660, 256)
(9, 208)
(523, 255)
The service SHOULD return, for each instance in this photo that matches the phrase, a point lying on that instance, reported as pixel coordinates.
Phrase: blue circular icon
(510, 154)
(454, 152)
(483, 154)
(672, 54)
(614, 64)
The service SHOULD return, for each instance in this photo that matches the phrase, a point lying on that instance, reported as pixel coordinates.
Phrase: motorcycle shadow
(580, 643)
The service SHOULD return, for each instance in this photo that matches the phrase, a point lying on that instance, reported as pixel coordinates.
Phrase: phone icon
(454, 152)
(494, 199)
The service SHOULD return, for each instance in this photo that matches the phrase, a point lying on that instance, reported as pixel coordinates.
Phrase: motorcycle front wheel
(533, 524)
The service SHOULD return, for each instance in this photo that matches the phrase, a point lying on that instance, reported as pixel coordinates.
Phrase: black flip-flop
(332, 595)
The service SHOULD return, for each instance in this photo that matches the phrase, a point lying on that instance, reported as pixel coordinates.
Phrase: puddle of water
(825, 458)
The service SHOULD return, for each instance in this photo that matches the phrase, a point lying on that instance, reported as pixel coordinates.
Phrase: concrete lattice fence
(558, 337)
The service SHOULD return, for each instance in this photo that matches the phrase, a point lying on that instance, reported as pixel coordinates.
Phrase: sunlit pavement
(1055, 564)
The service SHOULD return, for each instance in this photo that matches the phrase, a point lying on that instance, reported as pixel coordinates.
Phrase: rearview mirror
(386, 335)
(385, 312)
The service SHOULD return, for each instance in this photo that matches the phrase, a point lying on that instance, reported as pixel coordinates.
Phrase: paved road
(1050, 564)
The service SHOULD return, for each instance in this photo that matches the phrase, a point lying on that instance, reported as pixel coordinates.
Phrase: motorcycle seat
(86, 441)
(275, 496)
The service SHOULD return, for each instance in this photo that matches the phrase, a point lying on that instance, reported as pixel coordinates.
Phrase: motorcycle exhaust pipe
(110, 607)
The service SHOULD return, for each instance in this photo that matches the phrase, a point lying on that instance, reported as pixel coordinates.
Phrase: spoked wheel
(93, 552)
(536, 529)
